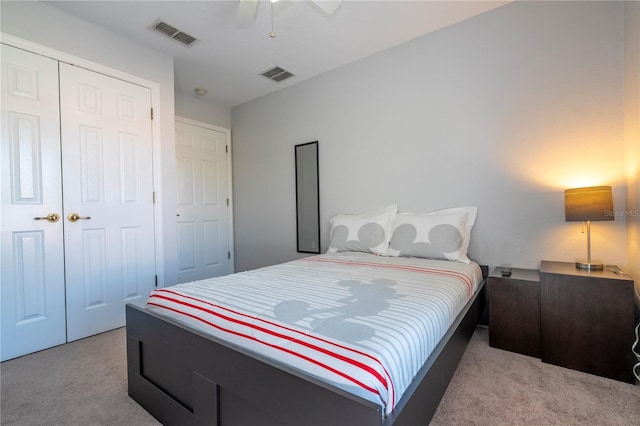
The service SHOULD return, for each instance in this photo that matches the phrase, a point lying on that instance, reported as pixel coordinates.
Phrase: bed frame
(184, 377)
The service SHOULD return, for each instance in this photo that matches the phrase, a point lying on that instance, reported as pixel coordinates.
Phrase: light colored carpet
(496, 387)
(80, 383)
(84, 383)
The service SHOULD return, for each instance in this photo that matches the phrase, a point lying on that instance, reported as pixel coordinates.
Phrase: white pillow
(444, 234)
(367, 232)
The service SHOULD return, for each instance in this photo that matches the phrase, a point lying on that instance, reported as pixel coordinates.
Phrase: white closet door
(32, 277)
(203, 212)
(108, 183)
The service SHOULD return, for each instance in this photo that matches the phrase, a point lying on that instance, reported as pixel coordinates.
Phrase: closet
(77, 217)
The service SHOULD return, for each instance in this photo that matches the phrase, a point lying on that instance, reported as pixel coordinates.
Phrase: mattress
(361, 322)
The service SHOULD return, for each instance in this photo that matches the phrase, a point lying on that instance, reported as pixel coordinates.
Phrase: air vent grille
(165, 28)
(282, 76)
(173, 33)
(277, 74)
(184, 38)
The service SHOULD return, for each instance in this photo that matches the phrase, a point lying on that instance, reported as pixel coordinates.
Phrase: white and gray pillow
(366, 232)
(444, 234)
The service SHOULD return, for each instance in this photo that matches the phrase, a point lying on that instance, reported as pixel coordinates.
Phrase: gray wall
(503, 111)
(48, 26)
(203, 109)
(632, 137)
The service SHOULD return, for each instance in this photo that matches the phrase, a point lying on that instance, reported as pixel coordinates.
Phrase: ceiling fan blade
(328, 6)
(246, 12)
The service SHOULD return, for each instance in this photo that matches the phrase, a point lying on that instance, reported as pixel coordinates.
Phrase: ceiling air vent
(277, 74)
(173, 33)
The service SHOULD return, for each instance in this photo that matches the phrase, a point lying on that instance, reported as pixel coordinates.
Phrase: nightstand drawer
(514, 311)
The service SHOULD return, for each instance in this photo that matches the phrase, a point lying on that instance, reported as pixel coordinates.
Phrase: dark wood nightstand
(514, 311)
(587, 320)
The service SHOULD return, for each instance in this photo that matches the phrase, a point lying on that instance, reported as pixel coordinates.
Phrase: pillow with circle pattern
(366, 232)
(444, 234)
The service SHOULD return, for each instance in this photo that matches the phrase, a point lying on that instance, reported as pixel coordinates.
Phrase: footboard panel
(183, 377)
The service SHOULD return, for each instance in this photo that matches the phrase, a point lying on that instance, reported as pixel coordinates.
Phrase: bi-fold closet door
(77, 225)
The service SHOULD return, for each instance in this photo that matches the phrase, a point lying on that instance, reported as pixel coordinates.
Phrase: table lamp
(593, 203)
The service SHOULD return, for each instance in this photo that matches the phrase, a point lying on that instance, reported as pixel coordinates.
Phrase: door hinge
(152, 113)
(228, 255)
(227, 201)
(154, 197)
(156, 281)
(226, 149)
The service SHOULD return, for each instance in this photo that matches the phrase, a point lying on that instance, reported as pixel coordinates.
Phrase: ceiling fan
(247, 9)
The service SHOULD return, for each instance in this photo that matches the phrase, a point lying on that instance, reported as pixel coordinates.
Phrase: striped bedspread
(362, 322)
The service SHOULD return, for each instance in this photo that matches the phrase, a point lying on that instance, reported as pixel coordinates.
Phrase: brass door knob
(51, 217)
(74, 217)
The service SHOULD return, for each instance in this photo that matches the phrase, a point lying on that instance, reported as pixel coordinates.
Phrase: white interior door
(108, 184)
(203, 209)
(32, 277)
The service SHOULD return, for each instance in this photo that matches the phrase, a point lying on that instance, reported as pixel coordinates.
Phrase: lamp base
(593, 265)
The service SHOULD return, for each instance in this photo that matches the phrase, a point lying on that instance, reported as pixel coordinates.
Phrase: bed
(186, 368)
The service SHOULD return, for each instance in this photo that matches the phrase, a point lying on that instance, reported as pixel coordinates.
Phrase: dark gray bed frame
(184, 377)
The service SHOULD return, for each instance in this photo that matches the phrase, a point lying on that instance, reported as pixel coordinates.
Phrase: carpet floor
(84, 383)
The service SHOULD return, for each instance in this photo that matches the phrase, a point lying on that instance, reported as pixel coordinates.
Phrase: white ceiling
(230, 56)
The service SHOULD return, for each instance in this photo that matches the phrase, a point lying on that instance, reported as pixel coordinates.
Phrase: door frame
(227, 133)
(154, 87)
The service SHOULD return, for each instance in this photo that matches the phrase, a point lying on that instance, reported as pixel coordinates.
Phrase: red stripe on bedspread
(328, 352)
(302, 333)
(463, 278)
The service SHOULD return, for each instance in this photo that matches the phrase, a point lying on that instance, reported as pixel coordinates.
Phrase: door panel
(211, 233)
(32, 277)
(108, 183)
(203, 213)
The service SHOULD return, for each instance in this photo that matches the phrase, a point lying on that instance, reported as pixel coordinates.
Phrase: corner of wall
(632, 140)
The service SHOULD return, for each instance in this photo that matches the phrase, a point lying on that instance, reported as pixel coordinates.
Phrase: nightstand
(587, 320)
(514, 311)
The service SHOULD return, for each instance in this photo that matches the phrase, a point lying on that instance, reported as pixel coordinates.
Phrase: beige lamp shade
(593, 203)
